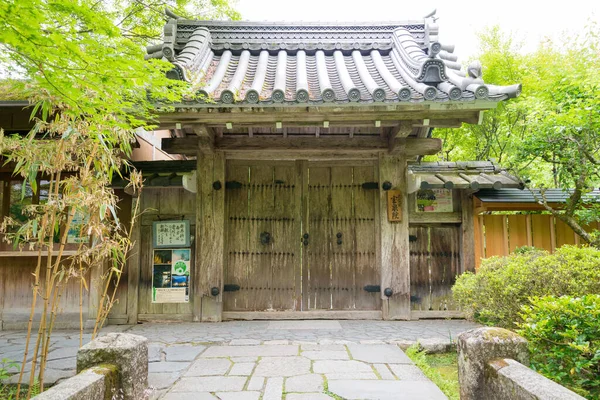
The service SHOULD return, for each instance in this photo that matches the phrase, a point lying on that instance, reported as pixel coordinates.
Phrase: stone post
(129, 353)
(479, 346)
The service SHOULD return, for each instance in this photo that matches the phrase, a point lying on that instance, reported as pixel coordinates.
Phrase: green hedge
(502, 285)
(564, 340)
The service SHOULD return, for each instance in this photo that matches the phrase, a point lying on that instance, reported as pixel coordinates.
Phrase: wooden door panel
(367, 266)
(285, 231)
(264, 270)
(318, 250)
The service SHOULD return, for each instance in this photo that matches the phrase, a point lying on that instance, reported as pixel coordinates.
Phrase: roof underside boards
(525, 196)
(247, 64)
(461, 175)
(432, 175)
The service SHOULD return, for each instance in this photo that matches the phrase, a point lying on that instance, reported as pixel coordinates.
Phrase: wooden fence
(501, 234)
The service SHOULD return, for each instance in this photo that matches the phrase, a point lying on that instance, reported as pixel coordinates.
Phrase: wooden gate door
(340, 251)
(262, 271)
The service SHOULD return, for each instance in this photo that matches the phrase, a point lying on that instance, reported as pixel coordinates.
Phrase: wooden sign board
(394, 205)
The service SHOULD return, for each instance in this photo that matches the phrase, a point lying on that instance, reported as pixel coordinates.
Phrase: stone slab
(352, 375)
(304, 383)
(386, 390)
(273, 389)
(335, 366)
(244, 369)
(189, 396)
(326, 355)
(307, 396)
(238, 395)
(209, 367)
(256, 383)
(162, 380)
(406, 372)
(282, 366)
(311, 325)
(250, 351)
(323, 347)
(183, 353)
(166, 366)
(384, 372)
(378, 354)
(210, 384)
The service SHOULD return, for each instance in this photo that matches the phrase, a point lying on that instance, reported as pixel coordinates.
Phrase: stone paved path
(264, 360)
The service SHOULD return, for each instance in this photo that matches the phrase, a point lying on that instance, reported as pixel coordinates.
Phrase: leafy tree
(549, 136)
(80, 63)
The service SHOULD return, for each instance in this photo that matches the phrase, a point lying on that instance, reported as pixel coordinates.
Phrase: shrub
(502, 285)
(564, 339)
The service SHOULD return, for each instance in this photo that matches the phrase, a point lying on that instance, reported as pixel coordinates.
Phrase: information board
(434, 200)
(171, 233)
(171, 276)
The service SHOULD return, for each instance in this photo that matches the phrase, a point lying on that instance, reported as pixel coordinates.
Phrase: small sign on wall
(394, 205)
(171, 233)
(171, 276)
(434, 200)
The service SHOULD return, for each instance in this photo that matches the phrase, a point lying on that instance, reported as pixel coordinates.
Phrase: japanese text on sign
(171, 233)
(394, 205)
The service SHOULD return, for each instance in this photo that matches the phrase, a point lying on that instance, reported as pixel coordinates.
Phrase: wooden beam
(401, 130)
(415, 146)
(200, 130)
(395, 256)
(303, 145)
(295, 117)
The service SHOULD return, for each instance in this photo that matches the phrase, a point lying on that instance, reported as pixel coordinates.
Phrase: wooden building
(301, 192)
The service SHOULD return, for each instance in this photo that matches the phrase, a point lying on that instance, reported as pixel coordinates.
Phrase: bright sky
(530, 20)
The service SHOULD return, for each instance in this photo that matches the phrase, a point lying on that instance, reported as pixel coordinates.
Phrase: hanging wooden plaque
(394, 205)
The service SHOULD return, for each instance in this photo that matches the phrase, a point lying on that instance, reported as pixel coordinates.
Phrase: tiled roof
(526, 196)
(247, 63)
(461, 175)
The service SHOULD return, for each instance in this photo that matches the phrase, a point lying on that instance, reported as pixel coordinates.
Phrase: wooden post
(468, 242)
(395, 256)
(210, 218)
(133, 268)
(96, 286)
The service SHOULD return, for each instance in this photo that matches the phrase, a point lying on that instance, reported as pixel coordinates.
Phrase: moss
(499, 333)
(112, 379)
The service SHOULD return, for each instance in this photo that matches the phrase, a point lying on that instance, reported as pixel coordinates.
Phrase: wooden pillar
(395, 256)
(210, 219)
(133, 267)
(467, 259)
(96, 286)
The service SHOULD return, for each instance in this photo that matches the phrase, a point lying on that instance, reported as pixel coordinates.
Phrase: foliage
(564, 339)
(550, 135)
(494, 295)
(442, 369)
(80, 64)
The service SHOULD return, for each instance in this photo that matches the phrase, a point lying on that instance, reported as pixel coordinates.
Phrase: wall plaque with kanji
(171, 233)
(394, 205)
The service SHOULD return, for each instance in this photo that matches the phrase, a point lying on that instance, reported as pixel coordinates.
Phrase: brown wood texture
(318, 250)
(16, 281)
(420, 293)
(564, 233)
(517, 231)
(266, 204)
(495, 235)
(367, 271)
(303, 145)
(444, 264)
(210, 219)
(238, 225)
(395, 254)
(394, 206)
(467, 238)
